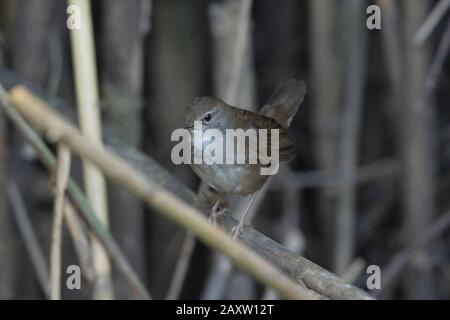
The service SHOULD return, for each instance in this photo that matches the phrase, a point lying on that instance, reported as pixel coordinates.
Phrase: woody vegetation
(86, 177)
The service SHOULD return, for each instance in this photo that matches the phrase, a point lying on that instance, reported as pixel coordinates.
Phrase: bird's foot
(216, 212)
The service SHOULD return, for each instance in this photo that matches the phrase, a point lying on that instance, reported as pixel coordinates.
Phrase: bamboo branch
(48, 121)
(77, 196)
(85, 71)
(62, 173)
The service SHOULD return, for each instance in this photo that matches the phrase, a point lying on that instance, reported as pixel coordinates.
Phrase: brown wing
(258, 121)
(286, 144)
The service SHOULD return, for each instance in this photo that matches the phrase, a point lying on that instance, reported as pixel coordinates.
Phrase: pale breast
(234, 179)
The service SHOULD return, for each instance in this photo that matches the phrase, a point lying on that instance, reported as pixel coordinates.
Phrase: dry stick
(85, 71)
(435, 16)
(62, 173)
(25, 227)
(77, 196)
(48, 121)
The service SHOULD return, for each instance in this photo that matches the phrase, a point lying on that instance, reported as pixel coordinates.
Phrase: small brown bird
(244, 179)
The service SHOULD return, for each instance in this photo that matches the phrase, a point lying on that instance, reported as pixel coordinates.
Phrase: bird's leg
(238, 228)
(215, 211)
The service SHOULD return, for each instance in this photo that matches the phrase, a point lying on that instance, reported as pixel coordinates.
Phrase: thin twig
(47, 120)
(26, 230)
(430, 23)
(62, 173)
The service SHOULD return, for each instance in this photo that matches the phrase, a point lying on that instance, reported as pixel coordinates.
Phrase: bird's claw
(237, 230)
(216, 212)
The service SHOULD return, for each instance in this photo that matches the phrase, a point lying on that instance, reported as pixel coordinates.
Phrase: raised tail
(284, 103)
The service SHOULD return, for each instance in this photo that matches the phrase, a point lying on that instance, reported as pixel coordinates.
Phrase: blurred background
(371, 181)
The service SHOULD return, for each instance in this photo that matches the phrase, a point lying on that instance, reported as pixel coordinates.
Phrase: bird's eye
(207, 117)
